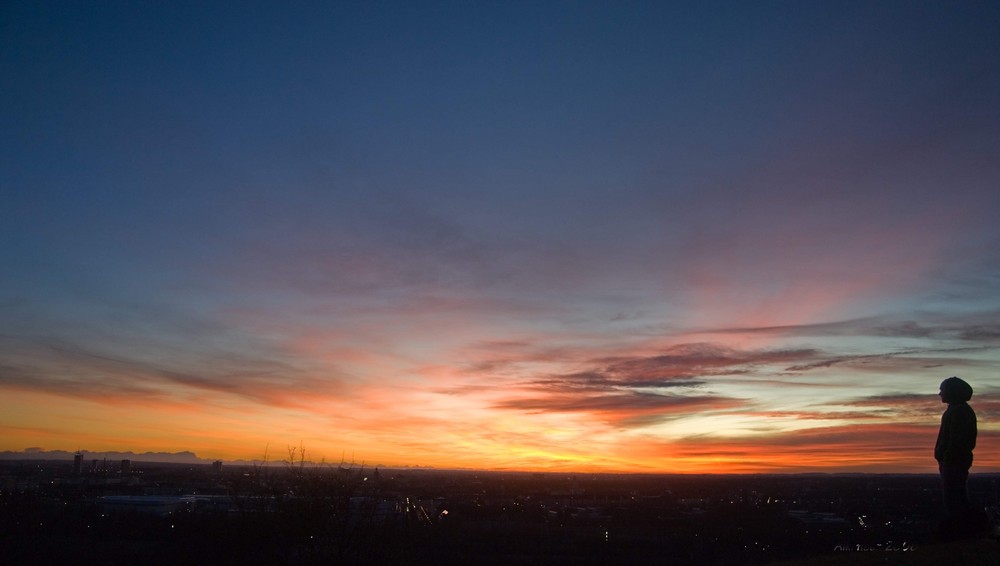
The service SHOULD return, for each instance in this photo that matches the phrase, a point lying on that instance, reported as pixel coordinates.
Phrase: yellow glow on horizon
(480, 439)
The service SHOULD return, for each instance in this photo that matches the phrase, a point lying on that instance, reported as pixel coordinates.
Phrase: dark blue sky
(256, 202)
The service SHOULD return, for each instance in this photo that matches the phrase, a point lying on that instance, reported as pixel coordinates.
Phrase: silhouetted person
(953, 451)
(955, 441)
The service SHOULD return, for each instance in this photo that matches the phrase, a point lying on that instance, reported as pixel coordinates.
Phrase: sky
(691, 237)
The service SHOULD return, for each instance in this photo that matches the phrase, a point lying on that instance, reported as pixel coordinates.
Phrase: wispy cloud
(71, 370)
(975, 326)
(622, 408)
(899, 360)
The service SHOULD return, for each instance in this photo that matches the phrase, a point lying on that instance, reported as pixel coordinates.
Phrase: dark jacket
(957, 436)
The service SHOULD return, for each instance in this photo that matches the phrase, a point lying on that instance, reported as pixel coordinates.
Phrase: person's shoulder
(964, 408)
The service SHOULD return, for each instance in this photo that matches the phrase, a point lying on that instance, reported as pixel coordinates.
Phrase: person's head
(955, 390)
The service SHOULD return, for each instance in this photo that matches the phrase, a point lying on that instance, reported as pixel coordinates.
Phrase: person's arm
(961, 437)
(941, 445)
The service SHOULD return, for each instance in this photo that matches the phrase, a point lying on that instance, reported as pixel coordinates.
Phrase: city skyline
(660, 237)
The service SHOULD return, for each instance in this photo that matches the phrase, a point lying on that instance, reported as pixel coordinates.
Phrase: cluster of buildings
(736, 519)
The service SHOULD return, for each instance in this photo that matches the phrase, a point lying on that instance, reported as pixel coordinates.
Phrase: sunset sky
(575, 236)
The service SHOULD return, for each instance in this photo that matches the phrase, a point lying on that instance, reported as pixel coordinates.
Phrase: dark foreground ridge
(971, 552)
(144, 513)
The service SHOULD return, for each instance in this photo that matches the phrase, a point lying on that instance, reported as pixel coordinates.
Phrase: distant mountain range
(185, 457)
(40, 454)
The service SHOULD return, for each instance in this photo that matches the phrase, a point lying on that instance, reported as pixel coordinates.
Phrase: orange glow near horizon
(731, 402)
(480, 438)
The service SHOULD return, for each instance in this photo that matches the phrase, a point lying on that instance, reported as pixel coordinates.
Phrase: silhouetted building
(77, 463)
(217, 466)
(126, 467)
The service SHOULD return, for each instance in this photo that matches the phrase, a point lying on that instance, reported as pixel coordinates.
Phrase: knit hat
(955, 389)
